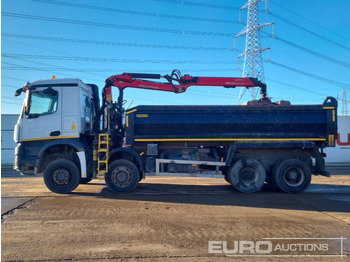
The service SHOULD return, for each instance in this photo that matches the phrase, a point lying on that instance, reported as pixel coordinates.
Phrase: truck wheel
(61, 176)
(291, 175)
(227, 178)
(247, 175)
(123, 176)
(85, 180)
(225, 172)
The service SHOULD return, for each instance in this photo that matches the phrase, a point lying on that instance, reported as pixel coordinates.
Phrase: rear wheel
(247, 175)
(123, 176)
(61, 176)
(225, 171)
(227, 178)
(291, 175)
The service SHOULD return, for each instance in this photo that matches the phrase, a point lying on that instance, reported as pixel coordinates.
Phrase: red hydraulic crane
(136, 80)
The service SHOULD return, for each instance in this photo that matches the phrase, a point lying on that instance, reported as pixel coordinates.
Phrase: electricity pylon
(253, 62)
(344, 104)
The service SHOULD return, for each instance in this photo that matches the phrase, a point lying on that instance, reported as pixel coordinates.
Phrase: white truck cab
(54, 109)
(56, 115)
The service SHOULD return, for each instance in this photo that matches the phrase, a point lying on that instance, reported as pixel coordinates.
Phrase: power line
(308, 31)
(53, 69)
(225, 7)
(15, 87)
(116, 26)
(329, 81)
(70, 21)
(307, 50)
(16, 67)
(51, 50)
(113, 60)
(296, 87)
(11, 66)
(308, 20)
(272, 14)
(112, 43)
(11, 98)
(98, 42)
(141, 61)
(320, 78)
(11, 103)
(12, 78)
(134, 12)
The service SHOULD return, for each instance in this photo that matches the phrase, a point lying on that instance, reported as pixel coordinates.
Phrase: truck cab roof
(58, 81)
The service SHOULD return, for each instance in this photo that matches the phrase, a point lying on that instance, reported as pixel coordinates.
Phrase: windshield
(43, 102)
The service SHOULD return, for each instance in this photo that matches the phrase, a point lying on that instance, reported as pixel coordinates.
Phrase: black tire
(85, 180)
(225, 171)
(247, 175)
(61, 176)
(227, 178)
(122, 176)
(291, 175)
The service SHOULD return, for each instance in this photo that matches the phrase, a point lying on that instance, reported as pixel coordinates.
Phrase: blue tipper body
(315, 123)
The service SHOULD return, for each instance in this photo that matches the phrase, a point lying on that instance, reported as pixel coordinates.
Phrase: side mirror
(24, 88)
(18, 92)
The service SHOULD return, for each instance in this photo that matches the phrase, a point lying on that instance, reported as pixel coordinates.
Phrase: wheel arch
(55, 149)
(128, 154)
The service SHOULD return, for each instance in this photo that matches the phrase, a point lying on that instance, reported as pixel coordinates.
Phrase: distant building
(7, 144)
(340, 155)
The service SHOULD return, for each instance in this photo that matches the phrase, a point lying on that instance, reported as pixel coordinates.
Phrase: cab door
(42, 117)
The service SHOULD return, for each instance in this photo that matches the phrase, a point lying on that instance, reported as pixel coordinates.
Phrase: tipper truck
(71, 136)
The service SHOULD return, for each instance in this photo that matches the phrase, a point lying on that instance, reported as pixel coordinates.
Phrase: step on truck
(69, 134)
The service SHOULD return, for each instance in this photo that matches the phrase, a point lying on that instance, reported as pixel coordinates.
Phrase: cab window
(42, 103)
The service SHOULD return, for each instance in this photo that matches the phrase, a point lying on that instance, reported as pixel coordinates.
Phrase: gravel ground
(174, 219)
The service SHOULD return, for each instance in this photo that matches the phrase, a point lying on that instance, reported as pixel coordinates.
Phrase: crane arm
(137, 80)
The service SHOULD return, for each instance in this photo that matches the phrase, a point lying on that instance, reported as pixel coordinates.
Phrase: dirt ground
(175, 219)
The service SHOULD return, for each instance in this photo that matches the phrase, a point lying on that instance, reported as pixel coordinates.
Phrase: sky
(309, 56)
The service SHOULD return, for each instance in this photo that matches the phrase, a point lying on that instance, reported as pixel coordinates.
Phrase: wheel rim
(61, 177)
(294, 176)
(248, 175)
(121, 176)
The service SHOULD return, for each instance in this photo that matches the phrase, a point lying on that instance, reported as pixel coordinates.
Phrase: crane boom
(137, 80)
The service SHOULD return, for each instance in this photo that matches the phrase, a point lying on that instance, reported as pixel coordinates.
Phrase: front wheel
(85, 180)
(291, 175)
(61, 176)
(123, 176)
(247, 175)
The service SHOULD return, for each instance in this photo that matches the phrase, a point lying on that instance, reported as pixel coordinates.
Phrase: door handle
(55, 133)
